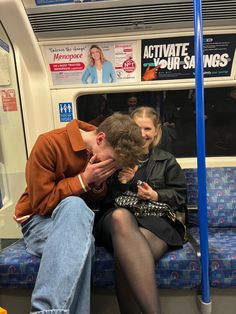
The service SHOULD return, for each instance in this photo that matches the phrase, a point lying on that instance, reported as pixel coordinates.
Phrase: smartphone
(139, 182)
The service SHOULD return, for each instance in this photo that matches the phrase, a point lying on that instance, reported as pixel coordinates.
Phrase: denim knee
(73, 207)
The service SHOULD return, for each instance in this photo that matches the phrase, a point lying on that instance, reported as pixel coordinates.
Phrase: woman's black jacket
(162, 173)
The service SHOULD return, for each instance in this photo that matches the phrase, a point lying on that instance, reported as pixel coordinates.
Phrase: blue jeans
(66, 244)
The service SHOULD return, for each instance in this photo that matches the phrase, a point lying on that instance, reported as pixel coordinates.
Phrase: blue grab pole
(201, 164)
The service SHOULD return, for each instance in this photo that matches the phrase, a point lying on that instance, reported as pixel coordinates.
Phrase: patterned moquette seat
(222, 256)
(18, 269)
(221, 207)
(176, 269)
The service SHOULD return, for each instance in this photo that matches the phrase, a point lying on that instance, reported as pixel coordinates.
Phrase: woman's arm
(174, 192)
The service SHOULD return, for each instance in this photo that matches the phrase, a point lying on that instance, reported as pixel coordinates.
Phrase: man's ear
(100, 137)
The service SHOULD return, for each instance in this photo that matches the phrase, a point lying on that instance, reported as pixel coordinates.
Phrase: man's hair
(125, 137)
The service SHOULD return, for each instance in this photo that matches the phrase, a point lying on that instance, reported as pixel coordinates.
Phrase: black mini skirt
(162, 227)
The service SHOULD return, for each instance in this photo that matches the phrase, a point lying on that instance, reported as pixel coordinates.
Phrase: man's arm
(45, 192)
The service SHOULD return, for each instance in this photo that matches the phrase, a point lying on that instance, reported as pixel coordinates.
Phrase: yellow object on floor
(2, 311)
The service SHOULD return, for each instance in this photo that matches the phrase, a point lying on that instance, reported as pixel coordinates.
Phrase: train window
(12, 142)
(178, 115)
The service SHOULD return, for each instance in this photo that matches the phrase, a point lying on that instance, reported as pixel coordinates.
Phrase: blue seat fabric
(222, 256)
(176, 269)
(18, 269)
(221, 209)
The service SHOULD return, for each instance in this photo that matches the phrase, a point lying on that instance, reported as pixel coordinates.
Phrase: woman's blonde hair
(91, 60)
(149, 112)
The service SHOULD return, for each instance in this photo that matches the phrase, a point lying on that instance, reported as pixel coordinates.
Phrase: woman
(99, 69)
(138, 242)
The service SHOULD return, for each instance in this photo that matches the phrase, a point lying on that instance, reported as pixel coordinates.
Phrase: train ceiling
(83, 18)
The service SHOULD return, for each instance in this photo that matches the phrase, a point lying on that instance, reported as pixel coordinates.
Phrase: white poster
(4, 64)
(103, 63)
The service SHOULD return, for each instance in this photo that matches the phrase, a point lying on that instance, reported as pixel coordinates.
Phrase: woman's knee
(121, 221)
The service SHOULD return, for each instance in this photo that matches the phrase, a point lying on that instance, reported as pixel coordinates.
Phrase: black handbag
(140, 207)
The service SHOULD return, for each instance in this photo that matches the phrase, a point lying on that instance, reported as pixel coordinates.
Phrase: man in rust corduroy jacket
(65, 173)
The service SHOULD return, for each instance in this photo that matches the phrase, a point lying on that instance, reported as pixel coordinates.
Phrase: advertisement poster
(103, 63)
(173, 58)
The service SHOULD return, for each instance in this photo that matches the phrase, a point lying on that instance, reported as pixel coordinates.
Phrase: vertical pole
(200, 128)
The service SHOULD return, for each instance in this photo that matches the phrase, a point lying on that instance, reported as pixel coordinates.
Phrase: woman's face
(95, 54)
(148, 131)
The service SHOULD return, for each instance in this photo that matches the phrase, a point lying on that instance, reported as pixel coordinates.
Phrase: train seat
(178, 268)
(18, 269)
(222, 256)
(221, 204)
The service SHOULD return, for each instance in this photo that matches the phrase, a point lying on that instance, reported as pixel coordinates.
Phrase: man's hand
(98, 171)
(150, 74)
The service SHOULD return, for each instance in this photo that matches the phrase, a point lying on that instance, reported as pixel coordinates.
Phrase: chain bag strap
(139, 207)
(142, 207)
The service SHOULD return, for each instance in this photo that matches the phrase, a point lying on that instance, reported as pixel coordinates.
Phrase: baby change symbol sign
(65, 111)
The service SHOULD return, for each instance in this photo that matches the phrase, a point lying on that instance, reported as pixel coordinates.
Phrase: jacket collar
(159, 154)
(74, 134)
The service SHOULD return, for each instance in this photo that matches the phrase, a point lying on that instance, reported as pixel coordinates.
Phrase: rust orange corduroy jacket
(52, 170)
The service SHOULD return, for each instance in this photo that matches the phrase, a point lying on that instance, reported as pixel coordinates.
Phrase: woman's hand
(146, 192)
(127, 174)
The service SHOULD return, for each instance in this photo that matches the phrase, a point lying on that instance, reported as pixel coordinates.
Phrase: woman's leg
(136, 260)
(158, 248)
(127, 303)
(103, 235)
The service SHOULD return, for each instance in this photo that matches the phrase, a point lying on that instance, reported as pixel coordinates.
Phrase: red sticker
(129, 65)
(9, 100)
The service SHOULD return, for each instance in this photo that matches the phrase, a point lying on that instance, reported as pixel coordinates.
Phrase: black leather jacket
(163, 174)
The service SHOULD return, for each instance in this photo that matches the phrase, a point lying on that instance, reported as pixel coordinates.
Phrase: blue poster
(65, 111)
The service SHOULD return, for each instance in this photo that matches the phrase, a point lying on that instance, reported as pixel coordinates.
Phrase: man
(67, 168)
(132, 103)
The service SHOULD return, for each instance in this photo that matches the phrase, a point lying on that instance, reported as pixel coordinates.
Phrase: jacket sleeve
(174, 191)
(86, 75)
(112, 73)
(45, 191)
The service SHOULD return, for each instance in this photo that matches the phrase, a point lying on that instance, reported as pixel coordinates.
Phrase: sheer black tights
(135, 250)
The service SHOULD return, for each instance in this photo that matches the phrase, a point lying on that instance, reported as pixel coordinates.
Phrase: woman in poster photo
(99, 70)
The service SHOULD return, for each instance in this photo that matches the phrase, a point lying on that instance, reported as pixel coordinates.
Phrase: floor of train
(104, 301)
